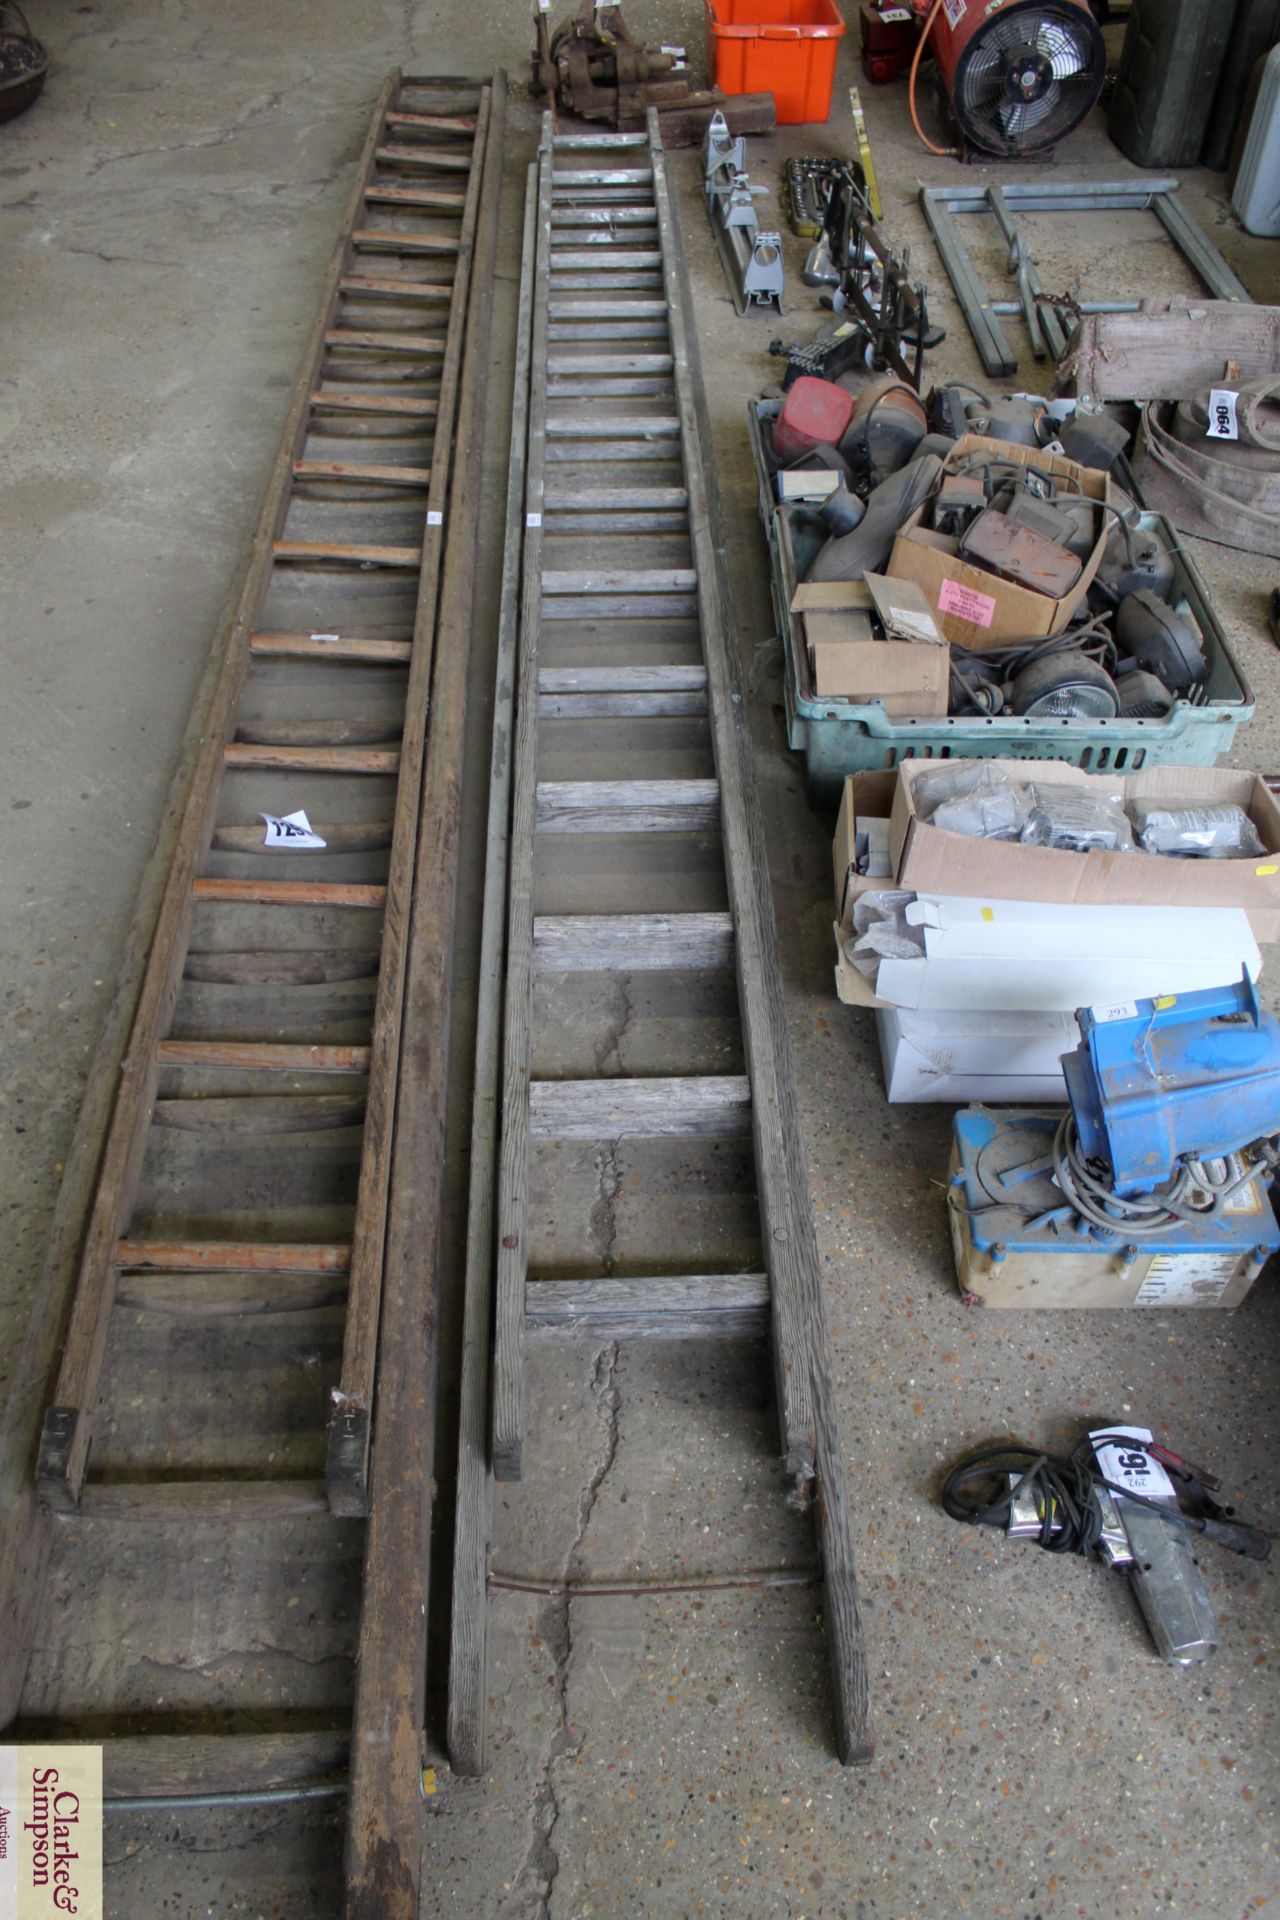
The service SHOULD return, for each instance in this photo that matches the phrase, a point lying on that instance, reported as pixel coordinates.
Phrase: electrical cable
(943, 153)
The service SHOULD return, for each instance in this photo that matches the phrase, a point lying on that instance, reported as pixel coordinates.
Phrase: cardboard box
(928, 859)
(908, 671)
(988, 1056)
(1033, 957)
(865, 795)
(976, 608)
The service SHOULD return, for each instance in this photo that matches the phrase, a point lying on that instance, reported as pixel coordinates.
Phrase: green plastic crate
(838, 737)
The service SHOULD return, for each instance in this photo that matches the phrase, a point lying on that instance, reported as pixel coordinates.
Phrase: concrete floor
(166, 214)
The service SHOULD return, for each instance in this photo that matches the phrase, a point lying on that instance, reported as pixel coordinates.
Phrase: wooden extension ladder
(617, 627)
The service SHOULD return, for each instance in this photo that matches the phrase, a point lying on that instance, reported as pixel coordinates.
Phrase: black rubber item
(1017, 421)
(866, 549)
(1161, 640)
(1094, 440)
(1143, 696)
(1058, 672)
(841, 511)
(1118, 575)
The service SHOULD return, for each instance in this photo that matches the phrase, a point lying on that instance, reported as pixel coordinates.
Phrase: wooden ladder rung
(596, 260)
(282, 966)
(216, 1296)
(197, 1500)
(347, 400)
(623, 426)
(438, 197)
(610, 499)
(438, 122)
(627, 806)
(362, 473)
(324, 553)
(607, 310)
(602, 363)
(695, 1306)
(566, 216)
(261, 1056)
(620, 679)
(632, 942)
(260, 1113)
(234, 1256)
(694, 1106)
(386, 240)
(575, 142)
(419, 346)
(158, 1765)
(639, 580)
(563, 178)
(291, 893)
(365, 286)
(311, 759)
(394, 154)
(330, 646)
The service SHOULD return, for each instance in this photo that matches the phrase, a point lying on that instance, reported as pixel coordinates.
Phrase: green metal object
(1256, 31)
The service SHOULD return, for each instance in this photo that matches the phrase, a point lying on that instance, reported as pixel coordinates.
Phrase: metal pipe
(250, 1797)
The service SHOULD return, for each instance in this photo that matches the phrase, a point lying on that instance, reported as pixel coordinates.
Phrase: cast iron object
(871, 282)
(24, 62)
(593, 66)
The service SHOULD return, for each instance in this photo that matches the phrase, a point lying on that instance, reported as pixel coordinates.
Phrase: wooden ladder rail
(385, 1809)
(800, 1336)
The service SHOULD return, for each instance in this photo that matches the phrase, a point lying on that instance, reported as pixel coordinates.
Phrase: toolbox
(838, 737)
(783, 47)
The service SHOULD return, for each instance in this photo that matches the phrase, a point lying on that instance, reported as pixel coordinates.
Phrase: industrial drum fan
(1020, 74)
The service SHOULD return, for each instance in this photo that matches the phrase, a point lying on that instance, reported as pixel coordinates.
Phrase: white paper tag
(918, 626)
(1132, 1468)
(1222, 415)
(533, 519)
(1120, 1010)
(435, 519)
(331, 638)
(1186, 1279)
(677, 53)
(291, 830)
(895, 13)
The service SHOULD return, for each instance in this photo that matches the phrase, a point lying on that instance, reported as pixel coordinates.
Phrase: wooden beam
(706, 1106)
(704, 1306)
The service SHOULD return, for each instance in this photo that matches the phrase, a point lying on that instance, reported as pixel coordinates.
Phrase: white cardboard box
(990, 1056)
(1038, 957)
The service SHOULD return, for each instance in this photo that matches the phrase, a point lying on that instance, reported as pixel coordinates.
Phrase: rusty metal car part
(594, 67)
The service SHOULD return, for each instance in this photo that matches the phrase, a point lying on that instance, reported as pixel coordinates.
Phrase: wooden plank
(448, 159)
(627, 806)
(803, 1384)
(567, 179)
(618, 706)
(623, 679)
(64, 1446)
(202, 1296)
(386, 240)
(561, 499)
(620, 426)
(606, 282)
(414, 346)
(261, 1056)
(291, 893)
(337, 553)
(392, 287)
(593, 363)
(233, 1256)
(385, 1809)
(696, 1106)
(365, 474)
(506, 1411)
(440, 197)
(312, 759)
(632, 942)
(606, 607)
(200, 1501)
(467, 1718)
(323, 646)
(261, 1113)
(437, 122)
(707, 1306)
(567, 216)
(163, 1766)
(608, 310)
(339, 732)
(603, 580)
(347, 400)
(271, 967)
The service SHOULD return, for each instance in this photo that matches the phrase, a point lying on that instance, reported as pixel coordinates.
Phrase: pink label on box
(978, 608)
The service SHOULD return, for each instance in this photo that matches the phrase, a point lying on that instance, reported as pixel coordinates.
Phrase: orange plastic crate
(783, 47)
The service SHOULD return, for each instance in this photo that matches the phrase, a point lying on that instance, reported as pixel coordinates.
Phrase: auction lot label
(50, 1832)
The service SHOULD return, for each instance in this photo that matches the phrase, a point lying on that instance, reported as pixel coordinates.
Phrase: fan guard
(1028, 76)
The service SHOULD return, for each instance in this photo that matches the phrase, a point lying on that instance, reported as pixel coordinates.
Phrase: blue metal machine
(1153, 1189)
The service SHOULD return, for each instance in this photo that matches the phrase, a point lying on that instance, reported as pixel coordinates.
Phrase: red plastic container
(783, 47)
(815, 413)
(887, 45)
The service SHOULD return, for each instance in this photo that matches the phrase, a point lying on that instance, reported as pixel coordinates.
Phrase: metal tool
(1124, 1499)
(593, 66)
(752, 255)
(1050, 320)
(1159, 1174)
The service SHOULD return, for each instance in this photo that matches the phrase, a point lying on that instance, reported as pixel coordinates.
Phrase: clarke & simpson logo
(50, 1832)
